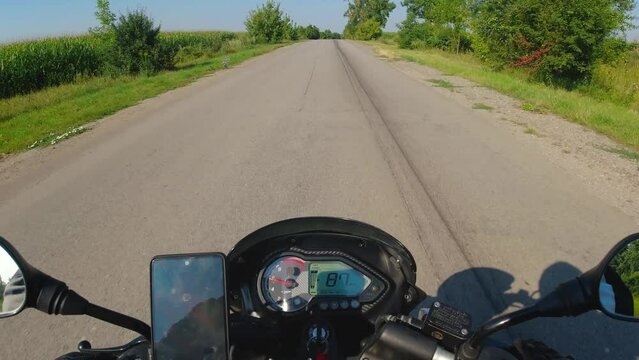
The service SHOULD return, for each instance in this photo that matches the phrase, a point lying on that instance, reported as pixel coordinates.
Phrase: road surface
(316, 128)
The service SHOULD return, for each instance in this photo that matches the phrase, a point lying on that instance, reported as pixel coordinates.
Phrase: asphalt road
(317, 128)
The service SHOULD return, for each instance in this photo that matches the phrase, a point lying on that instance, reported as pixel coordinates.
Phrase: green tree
(328, 34)
(268, 23)
(137, 45)
(105, 17)
(361, 11)
(437, 23)
(312, 32)
(558, 41)
(368, 30)
(301, 31)
(290, 29)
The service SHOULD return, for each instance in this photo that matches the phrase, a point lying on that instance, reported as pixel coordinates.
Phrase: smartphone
(189, 316)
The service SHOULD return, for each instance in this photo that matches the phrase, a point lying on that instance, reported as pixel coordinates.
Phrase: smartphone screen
(188, 307)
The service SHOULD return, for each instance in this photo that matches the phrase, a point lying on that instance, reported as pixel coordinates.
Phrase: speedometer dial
(285, 284)
(290, 283)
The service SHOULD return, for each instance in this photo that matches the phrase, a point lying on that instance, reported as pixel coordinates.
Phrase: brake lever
(84, 347)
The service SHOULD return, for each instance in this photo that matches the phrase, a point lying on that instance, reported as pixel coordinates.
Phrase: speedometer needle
(290, 283)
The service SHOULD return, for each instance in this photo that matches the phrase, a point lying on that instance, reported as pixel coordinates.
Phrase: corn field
(33, 65)
(212, 40)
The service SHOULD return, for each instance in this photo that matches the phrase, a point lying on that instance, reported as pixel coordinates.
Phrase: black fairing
(366, 243)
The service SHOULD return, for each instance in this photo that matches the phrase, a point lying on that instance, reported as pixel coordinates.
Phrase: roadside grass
(624, 153)
(442, 83)
(482, 106)
(531, 108)
(531, 131)
(37, 118)
(619, 122)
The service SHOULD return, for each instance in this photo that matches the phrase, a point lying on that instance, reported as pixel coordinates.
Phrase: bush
(292, 32)
(617, 81)
(198, 44)
(232, 46)
(137, 46)
(367, 30)
(328, 34)
(416, 34)
(558, 42)
(268, 24)
(312, 32)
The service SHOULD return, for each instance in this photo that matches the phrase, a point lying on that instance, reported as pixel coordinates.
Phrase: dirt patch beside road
(608, 170)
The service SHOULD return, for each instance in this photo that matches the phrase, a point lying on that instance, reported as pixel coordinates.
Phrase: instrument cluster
(292, 283)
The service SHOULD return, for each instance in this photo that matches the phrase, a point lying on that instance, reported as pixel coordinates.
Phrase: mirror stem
(118, 319)
(56, 298)
(569, 299)
(471, 349)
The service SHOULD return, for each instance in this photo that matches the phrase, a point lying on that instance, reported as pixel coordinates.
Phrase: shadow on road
(589, 336)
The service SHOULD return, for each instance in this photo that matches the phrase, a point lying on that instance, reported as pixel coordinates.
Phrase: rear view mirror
(22, 286)
(13, 290)
(618, 294)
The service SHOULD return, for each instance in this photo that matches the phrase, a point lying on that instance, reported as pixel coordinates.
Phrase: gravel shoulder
(594, 158)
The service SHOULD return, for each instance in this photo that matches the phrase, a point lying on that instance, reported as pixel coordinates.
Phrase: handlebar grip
(397, 341)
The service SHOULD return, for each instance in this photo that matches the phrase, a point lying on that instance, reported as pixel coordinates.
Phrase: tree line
(270, 24)
(367, 18)
(557, 42)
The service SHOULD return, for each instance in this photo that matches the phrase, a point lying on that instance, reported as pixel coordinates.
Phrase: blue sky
(26, 19)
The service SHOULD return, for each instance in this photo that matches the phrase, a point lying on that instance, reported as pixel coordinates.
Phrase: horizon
(51, 19)
(200, 15)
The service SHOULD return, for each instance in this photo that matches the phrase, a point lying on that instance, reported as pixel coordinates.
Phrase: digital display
(334, 278)
(188, 307)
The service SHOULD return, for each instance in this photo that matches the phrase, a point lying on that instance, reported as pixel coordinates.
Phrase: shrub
(232, 46)
(268, 23)
(198, 44)
(328, 34)
(367, 30)
(292, 32)
(415, 34)
(137, 46)
(558, 42)
(312, 32)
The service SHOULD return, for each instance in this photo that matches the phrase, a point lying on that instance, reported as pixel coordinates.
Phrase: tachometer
(285, 284)
(290, 283)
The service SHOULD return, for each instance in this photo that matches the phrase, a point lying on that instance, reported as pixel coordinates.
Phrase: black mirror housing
(571, 298)
(31, 275)
(42, 291)
(54, 297)
(593, 279)
(583, 294)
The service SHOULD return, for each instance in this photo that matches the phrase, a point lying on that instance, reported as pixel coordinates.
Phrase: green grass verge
(41, 117)
(442, 83)
(624, 153)
(616, 121)
(482, 106)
